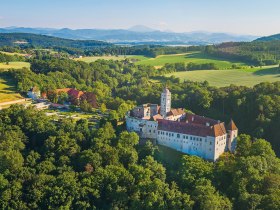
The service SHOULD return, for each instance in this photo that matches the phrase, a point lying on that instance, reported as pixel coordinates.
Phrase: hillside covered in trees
(275, 37)
(43, 41)
(254, 53)
(65, 165)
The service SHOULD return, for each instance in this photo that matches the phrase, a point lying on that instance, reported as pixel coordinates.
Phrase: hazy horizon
(253, 17)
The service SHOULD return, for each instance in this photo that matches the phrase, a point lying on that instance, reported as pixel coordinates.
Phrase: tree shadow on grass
(271, 71)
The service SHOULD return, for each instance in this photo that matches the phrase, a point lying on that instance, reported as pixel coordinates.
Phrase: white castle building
(188, 133)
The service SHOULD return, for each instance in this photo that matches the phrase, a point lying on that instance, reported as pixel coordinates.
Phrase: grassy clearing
(14, 65)
(195, 57)
(221, 78)
(8, 90)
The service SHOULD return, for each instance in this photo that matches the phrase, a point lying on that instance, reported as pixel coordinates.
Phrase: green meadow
(221, 78)
(14, 65)
(194, 57)
(7, 90)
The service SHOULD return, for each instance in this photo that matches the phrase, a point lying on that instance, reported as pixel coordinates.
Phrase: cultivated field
(221, 78)
(14, 65)
(7, 90)
(195, 57)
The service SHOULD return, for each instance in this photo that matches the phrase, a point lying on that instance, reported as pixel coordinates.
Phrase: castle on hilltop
(188, 133)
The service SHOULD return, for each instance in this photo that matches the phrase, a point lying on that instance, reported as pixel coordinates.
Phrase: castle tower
(232, 131)
(165, 103)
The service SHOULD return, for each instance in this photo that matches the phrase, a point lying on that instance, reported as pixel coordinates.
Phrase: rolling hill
(43, 41)
(275, 37)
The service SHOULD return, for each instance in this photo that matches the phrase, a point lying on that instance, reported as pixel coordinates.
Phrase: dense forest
(254, 53)
(65, 165)
(275, 37)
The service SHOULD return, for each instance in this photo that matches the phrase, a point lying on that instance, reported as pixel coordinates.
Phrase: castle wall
(232, 140)
(193, 145)
(144, 128)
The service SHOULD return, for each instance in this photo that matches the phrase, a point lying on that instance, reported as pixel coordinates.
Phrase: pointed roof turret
(166, 90)
(231, 126)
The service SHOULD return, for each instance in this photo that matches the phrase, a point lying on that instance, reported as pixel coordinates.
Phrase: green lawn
(7, 90)
(221, 78)
(195, 57)
(14, 65)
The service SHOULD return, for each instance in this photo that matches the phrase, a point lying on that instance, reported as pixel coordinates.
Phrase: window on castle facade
(178, 135)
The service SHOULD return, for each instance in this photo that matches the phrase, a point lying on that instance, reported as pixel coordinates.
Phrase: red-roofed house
(76, 96)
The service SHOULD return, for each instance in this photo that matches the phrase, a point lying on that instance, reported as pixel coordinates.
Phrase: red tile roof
(75, 93)
(200, 120)
(157, 117)
(176, 112)
(192, 129)
(231, 126)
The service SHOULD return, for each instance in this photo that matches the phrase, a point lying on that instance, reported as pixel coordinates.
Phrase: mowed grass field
(7, 90)
(221, 78)
(194, 57)
(14, 65)
(95, 58)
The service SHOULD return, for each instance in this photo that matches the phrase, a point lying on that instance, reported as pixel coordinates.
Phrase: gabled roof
(157, 117)
(200, 120)
(192, 129)
(176, 112)
(219, 129)
(71, 92)
(231, 126)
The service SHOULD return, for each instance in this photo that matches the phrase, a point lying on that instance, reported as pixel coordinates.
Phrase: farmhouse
(189, 133)
(76, 96)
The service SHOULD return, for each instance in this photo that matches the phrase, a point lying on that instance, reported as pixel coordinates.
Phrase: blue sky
(256, 17)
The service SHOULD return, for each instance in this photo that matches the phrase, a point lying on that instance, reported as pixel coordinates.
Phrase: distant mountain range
(135, 35)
